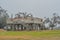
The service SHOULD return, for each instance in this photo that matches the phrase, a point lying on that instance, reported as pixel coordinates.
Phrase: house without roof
(24, 23)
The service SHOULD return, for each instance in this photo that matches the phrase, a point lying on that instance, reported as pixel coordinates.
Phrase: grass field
(30, 35)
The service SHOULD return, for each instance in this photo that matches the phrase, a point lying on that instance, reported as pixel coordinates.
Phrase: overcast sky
(39, 8)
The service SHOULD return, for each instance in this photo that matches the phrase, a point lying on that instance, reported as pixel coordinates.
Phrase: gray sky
(39, 8)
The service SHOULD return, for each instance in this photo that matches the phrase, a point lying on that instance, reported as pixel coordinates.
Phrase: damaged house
(23, 21)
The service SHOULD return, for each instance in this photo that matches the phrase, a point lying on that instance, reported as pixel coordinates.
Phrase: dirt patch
(47, 38)
(24, 37)
(15, 37)
(2, 30)
(27, 38)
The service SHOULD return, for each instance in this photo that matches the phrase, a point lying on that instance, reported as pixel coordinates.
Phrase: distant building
(24, 23)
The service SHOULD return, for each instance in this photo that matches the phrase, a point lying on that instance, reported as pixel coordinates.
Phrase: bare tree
(52, 21)
(3, 17)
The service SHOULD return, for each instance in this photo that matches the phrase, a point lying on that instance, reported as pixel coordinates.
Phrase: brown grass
(27, 38)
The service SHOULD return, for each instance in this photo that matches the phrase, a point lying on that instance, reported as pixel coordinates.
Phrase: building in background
(24, 21)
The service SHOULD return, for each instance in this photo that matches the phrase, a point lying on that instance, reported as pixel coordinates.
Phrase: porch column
(8, 27)
(19, 27)
(37, 27)
(27, 27)
(34, 27)
(12, 27)
(16, 27)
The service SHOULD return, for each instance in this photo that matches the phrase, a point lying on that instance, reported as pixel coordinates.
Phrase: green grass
(31, 33)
